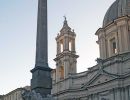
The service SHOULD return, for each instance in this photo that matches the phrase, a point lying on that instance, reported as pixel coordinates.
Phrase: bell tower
(66, 58)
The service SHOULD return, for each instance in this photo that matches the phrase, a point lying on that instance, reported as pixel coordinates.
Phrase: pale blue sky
(18, 35)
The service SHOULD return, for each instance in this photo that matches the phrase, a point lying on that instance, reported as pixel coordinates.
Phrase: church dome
(118, 9)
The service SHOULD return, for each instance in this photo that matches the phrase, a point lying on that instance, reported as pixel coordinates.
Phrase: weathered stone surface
(32, 95)
(42, 38)
(41, 76)
(110, 78)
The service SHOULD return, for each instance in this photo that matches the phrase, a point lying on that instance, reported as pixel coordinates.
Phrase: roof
(118, 9)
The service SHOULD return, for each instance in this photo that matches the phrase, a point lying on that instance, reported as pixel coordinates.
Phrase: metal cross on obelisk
(41, 77)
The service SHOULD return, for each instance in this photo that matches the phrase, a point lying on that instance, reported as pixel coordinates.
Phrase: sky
(18, 25)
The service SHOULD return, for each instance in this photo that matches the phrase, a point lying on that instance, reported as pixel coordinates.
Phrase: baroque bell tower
(66, 58)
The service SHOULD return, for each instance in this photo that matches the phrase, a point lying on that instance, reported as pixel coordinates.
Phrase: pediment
(100, 78)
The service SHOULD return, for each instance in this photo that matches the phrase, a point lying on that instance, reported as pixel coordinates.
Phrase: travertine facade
(15, 94)
(114, 39)
(110, 78)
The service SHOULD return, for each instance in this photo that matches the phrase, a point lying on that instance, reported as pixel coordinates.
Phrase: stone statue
(26, 95)
(32, 95)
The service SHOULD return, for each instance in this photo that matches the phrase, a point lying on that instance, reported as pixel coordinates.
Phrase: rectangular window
(113, 46)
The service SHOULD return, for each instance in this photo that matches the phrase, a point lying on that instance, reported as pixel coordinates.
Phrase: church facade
(110, 78)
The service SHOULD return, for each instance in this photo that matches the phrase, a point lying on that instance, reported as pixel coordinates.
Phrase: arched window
(113, 46)
(70, 46)
(61, 47)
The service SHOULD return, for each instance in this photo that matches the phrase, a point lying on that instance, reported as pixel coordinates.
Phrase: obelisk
(41, 77)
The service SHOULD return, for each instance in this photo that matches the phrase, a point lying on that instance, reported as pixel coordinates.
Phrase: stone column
(118, 94)
(126, 37)
(66, 43)
(57, 72)
(109, 48)
(74, 66)
(66, 66)
(123, 36)
(58, 47)
(103, 46)
(129, 92)
(41, 77)
(126, 93)
(120, 44)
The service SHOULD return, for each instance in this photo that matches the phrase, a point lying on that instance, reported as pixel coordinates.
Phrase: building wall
(15, 94)
(107, 81)
(118, 30)
(110, 78)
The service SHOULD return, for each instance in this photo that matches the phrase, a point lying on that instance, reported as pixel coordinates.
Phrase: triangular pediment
(100, 78)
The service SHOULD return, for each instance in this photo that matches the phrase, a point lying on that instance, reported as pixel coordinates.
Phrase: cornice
(114, 22)
(61, 55)
(18, 89)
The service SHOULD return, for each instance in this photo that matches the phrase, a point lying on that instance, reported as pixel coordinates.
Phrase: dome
(118, 9)
(111, 14)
